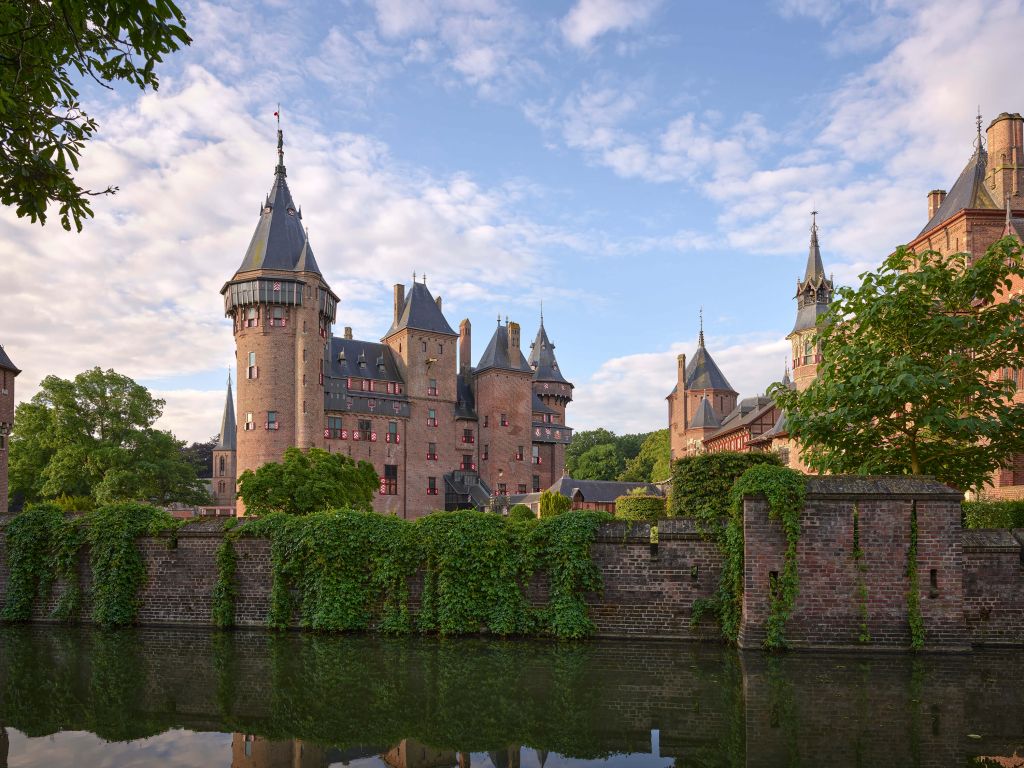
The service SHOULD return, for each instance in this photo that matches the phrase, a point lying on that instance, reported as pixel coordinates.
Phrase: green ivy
(914, 617)
(225, 591)
(643, 508)
(993, 514)
(862, 587)
(30, 575)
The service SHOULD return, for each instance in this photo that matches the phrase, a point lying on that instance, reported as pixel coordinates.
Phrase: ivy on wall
(861, 591)
(914, 618)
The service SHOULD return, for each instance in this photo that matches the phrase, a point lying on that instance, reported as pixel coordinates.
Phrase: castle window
(504, 420)
(519, 453)
(535, 452)
(485, 420)
(467, 464)
(272, 422)
(424, 346)
(431, 418)
(502, 489)
(431, 486)
(333, 431)
(365, 427)
(389, 483)
(277, 317)
(536, 483)
(252, 317)
(484, 452)
(431, 451)
(253, 372)
(249, 423)
(3, 442)
(521, 488)
(432, 387)
(220, 487)
(440, 349)
(467, 436)
(220, 463)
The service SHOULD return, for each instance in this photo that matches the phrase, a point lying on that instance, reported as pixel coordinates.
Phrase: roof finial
(424, 278)
(542, 313)
(700, 336)
(280, 144)
(499, 318)
(977, 140)
(414, 277)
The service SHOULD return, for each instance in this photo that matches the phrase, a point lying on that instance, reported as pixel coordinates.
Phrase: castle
(440, 432)
(985, 204)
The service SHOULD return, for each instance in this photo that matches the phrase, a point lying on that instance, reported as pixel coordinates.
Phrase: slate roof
(497, 354)
(748, 410)
(703, 373)
(539, 407)
(968, 192)
(5, 362)
(780, 429)
(420, 311)
(280, 241)
(542, 358)
(815, 286)
(228, 440)
(705, 417)
(600, 491)
(361, 359)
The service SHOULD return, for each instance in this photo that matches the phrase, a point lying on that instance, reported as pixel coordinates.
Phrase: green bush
(644, 508)
(701, 485)
(553, 503)
(993, 514)
(520, 513)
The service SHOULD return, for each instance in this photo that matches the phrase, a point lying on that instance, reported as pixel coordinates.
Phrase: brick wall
(994, 586)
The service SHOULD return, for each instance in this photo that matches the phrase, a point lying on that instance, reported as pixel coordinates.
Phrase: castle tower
(224, 456)
(1004, 176)
(282, 310)
(552, 393)
(7, 373)
(503, 386)
(813, 296)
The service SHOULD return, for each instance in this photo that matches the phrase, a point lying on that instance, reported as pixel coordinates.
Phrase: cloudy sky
(623, 161)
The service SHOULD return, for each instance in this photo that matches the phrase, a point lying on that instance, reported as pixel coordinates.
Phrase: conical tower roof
(702, 372)
(969, 191)
(280, 242)
(228, 440)
(815, 271)
(498, 354)
(420, 311)
(542, 358)
(5, 362)
(813, 293)
(705, 417)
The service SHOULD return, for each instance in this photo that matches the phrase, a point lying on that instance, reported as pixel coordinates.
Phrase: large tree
(917, 372)
(599, 454)
(94, 436)
(311, 481)
(652, 463)
(47, 48)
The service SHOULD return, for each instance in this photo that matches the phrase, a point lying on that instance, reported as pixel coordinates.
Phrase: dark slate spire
(701, 371)
(420, 311)
(5, 363)
(542, 357)
(499, 355)
(814, 292)
(280, 242)
(705, 417)
(228, 433)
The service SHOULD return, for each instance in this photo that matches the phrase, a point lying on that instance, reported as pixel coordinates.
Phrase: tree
(602, 462)
(305, 482)
(553, 503)
(45, 47)
(200, 456)
(93, 436)
(583, 442)
(652, 464)
(917, 370)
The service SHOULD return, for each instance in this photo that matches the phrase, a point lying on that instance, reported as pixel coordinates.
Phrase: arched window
(222, 466)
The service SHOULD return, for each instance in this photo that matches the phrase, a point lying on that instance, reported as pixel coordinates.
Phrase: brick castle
(7, 373)
(985, 204)
(440, 432)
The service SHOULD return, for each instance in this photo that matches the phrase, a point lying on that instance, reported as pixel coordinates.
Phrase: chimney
(438, 302)
(465, 346)
(399, 300)
(348, 331)
(1005, 168)
(513, 343)
(935, 198)
(681, 387)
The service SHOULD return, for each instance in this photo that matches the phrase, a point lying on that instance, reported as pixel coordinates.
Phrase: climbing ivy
(914, 618)
(225, 591)
(862, 587)
(30, 576)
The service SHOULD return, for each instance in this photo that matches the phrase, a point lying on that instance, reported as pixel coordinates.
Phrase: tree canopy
(600, 454)
(46, 48)
(652, 463)
(917, 372)
(93, 436)
(305, 482)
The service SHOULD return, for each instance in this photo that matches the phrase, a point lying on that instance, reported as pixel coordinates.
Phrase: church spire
(280, 170)
(700, 336)
(228, 437)
(815, 268)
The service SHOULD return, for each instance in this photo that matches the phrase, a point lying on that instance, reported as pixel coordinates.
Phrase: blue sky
(624, 162)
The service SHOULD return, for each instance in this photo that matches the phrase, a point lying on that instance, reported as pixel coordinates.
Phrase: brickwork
(994, 587)
(6, 422)
(501, 393)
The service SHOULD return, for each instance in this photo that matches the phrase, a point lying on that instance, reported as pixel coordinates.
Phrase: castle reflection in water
(251, 751)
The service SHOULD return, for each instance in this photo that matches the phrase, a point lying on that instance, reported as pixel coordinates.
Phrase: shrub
(993, 514)
(553, 503)
(644, 508)
(520, 513)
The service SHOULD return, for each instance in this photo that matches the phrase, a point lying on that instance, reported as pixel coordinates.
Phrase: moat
(249, 699)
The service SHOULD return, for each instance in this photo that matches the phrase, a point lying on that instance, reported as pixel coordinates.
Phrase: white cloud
(590, 19)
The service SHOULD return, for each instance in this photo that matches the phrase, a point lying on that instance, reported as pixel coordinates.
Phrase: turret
(282, 310)
(813, 296)
(1004, 175)
(552, 393)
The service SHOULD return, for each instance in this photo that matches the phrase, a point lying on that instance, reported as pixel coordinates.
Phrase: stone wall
(649, 590)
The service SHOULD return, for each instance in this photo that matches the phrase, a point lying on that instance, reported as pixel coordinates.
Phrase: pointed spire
(280, 170)
(977, 141)
(542, 313)
(815, 267)
(700, 336)
(228, 439)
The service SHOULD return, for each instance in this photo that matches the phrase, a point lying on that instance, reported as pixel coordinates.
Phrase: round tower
(281, 310)
(553, 393)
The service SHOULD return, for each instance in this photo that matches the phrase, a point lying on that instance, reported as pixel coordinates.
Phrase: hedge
(993, 514)
(520, 513)
(645, 508)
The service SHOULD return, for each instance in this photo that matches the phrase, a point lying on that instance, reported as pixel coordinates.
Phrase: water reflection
(191, 698)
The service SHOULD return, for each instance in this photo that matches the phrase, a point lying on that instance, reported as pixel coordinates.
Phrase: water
(253, 700)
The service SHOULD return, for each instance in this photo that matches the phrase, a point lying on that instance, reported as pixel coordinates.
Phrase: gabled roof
(279, 242)
(228, 439)
(498, 355)
(420, 311)
(600, 491)
(703, 373)
(749, 410)
(542, 358)
(968, 192)
(780, 429)
(362, 360)
(705, 417)
(6, 364)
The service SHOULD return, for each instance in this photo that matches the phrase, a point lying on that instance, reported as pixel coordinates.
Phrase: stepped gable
(280, 242)
(420, 312)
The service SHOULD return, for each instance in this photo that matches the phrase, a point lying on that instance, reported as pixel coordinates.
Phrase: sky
(623, 162)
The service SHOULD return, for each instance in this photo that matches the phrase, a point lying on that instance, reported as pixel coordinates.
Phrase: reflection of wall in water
(410, 753)
(249, 751)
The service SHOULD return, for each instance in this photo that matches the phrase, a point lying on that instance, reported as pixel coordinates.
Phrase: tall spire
(228, 439)
(700, 336)
(280, 170)
(815, 267)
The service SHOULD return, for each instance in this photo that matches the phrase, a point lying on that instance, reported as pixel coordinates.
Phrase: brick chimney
(1005, 172)
(438, 302)
(348, 331)
(513, 343)
(465, 346)
(935, 198)
(399, 300)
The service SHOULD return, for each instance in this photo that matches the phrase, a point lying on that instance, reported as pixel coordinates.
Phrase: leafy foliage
(520, 513)
(45, 47)
(553, 503)
(225, 590)
(304, 482)
(200, 456)
(600, 454)
(28, 538)
(641, 507)
(914, 618)
(93, 437)
(912, 378)
(652, 463)
(993, 514)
